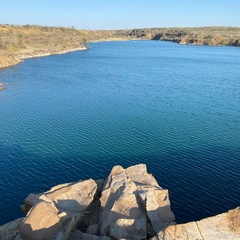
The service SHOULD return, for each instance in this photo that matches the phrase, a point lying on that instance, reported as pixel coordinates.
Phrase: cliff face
(217, 36)
(129, 204)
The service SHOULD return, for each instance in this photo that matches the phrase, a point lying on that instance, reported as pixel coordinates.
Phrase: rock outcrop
(216, 36)
(1, 86)
(55, 213)
(223, 226)
(129, 204)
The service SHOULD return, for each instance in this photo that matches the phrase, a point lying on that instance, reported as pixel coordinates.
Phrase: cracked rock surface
(128, 204)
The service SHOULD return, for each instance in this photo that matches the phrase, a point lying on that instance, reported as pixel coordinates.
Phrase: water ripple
(125, 104)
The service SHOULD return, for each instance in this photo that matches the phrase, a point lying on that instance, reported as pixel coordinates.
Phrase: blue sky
(121, 14)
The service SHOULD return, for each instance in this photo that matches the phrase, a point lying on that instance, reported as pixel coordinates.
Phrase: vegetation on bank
(222, 36)
(19, 42)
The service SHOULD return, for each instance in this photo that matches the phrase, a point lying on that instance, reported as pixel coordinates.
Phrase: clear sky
(121, 14)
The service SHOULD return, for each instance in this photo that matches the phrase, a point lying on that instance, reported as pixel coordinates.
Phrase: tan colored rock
(41, 223)
(112, 190)
(158, 209)
(132, 229)
(224, 226)
(29, 202)
(136, 173)
(139, 175)
(59, 186)
(78, 195)
(125, 206)
(124, 197)
(1, 86)
(75, 197)
(115, 171)
(181, 232)
(149, 180)
(61, 208)
(118, 176)
(233, 219)
(10, 230)
(34, 198)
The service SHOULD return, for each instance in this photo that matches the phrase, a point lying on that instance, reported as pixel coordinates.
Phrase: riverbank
(8, 61)
(21, 42)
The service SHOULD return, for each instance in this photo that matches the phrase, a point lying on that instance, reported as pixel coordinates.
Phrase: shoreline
(44, 53)
(21, 42)
(8, 60)
(34, 53)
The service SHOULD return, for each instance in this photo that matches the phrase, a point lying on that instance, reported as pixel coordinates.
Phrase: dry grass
(19, 42)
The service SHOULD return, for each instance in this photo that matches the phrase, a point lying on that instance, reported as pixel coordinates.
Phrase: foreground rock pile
(129, 204)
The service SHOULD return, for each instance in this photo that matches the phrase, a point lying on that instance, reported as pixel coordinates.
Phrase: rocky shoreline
(128, 204)
(8, 61)
(212, 36)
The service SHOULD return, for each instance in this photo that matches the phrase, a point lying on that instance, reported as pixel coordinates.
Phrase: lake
(74, 116)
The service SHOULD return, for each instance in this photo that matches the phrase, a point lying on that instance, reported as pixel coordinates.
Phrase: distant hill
(20, 42)
(224, 36)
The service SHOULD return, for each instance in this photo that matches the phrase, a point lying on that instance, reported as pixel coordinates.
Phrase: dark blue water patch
(75, 116)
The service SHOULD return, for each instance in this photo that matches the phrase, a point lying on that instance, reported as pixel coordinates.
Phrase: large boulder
(130, 198)
(74, 198)
(69, 197)
(55, 213)
(41, 223)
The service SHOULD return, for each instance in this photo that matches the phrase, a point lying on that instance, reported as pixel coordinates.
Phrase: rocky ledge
(129, 204)
(8, 60)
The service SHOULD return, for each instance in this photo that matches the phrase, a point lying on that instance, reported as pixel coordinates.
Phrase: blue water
(74, 116)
